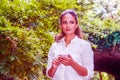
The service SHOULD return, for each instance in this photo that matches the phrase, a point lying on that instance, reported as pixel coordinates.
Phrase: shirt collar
(73, 40)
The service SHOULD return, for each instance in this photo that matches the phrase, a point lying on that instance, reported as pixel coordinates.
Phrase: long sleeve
(87, 60)
(50, 58)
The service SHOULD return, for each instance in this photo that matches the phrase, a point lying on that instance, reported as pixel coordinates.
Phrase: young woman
(70, 57)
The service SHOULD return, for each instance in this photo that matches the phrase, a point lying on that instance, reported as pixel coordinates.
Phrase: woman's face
(68, 24)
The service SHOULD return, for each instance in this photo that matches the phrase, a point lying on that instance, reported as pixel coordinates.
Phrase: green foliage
(23, 40)
(22, 51)
(19, 52)
(107, 43)
(97, 30)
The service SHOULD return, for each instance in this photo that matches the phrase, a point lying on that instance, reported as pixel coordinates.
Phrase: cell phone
(64, 56)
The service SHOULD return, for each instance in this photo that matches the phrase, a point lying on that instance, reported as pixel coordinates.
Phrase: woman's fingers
(64, 59)
(55, 62)
(65, 62)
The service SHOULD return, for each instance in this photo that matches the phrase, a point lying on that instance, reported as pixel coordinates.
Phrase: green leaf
(12, 58)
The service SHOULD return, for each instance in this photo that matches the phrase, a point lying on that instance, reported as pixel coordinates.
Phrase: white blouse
(81, 52)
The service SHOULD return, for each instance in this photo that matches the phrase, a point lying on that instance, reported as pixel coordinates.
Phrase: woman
(70, 57)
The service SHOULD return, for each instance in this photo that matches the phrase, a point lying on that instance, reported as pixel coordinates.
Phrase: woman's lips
(68, 29)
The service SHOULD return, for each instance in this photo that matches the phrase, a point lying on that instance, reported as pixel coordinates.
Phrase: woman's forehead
(68, 16)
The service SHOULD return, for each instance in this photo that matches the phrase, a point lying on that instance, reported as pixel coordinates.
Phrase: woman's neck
(68, 38)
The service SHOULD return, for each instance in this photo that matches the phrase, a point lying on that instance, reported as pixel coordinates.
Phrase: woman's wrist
(55, 66)
(72, 63)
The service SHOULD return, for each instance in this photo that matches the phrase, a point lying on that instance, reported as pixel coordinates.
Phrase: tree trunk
(107, 63)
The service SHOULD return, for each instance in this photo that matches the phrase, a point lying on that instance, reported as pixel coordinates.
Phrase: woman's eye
(64, 22)
(72, 22)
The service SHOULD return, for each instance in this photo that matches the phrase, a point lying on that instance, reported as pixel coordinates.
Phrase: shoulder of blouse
(82, 42)
(57, 43)
(54, 44)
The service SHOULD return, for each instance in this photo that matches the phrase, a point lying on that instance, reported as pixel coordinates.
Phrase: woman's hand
(65, 59)
(55, 62)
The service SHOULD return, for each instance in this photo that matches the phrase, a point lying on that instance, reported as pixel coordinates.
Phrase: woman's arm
(68, 61)
(79, 69)
(52, 70)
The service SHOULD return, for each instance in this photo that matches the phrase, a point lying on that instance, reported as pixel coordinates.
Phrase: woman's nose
(68, 25)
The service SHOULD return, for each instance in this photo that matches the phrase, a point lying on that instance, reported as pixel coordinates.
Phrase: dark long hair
(78, 31)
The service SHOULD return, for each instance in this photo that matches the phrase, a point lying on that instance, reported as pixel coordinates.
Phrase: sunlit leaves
(20, 48)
